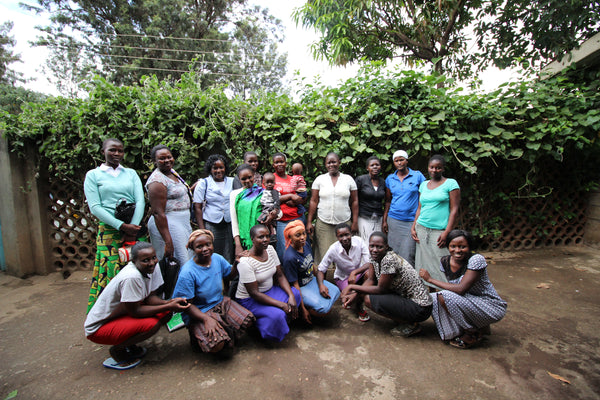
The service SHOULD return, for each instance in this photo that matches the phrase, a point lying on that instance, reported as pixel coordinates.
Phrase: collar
(110, 170)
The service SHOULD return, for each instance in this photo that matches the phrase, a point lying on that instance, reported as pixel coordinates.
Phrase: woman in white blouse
(334, 200)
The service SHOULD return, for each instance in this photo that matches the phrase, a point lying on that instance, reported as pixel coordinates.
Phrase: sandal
(465, 341)
(363, 316)
(406, 330)
(135, 351)
(121, 365)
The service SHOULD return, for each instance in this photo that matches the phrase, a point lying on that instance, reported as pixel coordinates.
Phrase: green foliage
(8, 76)
(525, 140)
(13, 97)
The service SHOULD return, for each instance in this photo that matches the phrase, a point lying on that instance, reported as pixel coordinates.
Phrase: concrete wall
(23, 215)
(592, 226)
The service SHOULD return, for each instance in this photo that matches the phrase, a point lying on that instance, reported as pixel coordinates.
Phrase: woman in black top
(371, 194)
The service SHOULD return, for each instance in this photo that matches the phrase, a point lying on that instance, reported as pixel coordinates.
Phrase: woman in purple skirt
(272, 305)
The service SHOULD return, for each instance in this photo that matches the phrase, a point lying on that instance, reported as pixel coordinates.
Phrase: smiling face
(203, 249)
(246, 178)
(261, 238)
(217, 171)
(377, 247)
(332, 164)
(298, 239)
(435, 169)
(113, 153)
(164, 160)
(344, 236)
(459, 249)
(146, 261)
(279, 165)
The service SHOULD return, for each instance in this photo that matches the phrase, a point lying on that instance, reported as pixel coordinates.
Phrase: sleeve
(236, 183)
(246, 272)
(328, 258)
(235, 229)
(200, 191)
(290, 267)
(138, 194)
(157, 279)
(387, 265)
(185, 286)
(452, 185)
(365, 256)
(421, 177)
(477, 262)
(276, 201)
(92, 195)
(132, 290)
(225, 266)
(317, 183)
(351, 183)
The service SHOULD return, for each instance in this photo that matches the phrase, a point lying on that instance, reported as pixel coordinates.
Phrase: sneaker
(406, 330)
(363, 316)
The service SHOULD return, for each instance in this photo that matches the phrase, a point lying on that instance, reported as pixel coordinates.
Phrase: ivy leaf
(494, 130)
(439, 116)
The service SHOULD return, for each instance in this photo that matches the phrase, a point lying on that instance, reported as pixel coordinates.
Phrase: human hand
(348, 299)
(310, 229)
(352, 278)
(441, 242)
(354, 228)
(413, 234)
(384, 226)
(212, 328)
(306, 315)
(169, 249)
(324, 291)
(423, 273)
(179, 304)
(130, 229)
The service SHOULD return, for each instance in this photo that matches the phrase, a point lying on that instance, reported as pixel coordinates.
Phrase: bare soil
(551, 331)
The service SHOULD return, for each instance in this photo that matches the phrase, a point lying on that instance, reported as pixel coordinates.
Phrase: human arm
(386, 209)
(354, 273)
(138, 195)
(92, 195)
(235, 230)
(322, 288)
(199, 200)
(354, 211)
(469, 278)
(413, 228)
(312, 209)
(454, 205)
(153, 305)
(198, 213)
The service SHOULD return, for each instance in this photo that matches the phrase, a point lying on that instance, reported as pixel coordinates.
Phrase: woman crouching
(214, 321)
(392, 289)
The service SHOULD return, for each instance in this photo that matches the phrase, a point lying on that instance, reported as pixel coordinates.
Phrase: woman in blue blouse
(211, 204)
(105, 187)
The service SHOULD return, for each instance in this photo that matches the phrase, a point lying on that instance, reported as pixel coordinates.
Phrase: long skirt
(366, 226)
(180, 230)
(400, 240)
(233, 321)
(429, 254)
(271, 321)
(223, 242)
(106, 265)
(324, 237)
(465, 312)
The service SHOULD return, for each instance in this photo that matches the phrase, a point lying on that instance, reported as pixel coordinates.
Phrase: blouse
(435, 204)
(178, 198)
(334, 207)
(215, 199)
(370, 200)
(261, 272)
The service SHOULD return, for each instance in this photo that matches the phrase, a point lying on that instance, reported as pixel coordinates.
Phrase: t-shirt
(370, 200)
(284, 186)
(406, 281)
(252, 270)
(128, 286)
(178, 198)
(405, 195)
(435, 204)
(334, 207)
(214, 198)
(202, 284)
(298, 266)
(356, 257)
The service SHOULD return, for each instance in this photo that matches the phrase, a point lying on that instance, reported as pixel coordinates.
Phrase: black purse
(169, 269)
(124, 211)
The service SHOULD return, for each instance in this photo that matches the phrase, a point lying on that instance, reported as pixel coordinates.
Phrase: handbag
(124, 211)
(169, 269)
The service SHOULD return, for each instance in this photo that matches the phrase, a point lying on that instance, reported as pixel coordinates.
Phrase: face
(374, 167)
(279, 164)
(262, 239)
(344, 236)
(146, 261)
(436, 169)
(164, 160)
(377, 247)
(113, 153)
(299, 239)
(332, 164)
(400, 163)
(459, 248)
(218, 171)
(269, 182)
(247, 178)
(203, 248)
(252, 160)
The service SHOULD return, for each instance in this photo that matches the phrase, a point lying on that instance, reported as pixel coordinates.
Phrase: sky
(296, 44)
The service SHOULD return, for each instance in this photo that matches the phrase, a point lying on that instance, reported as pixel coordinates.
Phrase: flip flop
(121, 365)
(135, 351)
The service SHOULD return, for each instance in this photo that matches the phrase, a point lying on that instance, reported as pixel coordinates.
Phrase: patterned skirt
(106, 265)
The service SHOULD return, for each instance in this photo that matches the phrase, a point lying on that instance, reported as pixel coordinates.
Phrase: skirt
(180, 230)
(429, 254)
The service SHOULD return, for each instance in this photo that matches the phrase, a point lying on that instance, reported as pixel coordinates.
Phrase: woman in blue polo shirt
(401, 203)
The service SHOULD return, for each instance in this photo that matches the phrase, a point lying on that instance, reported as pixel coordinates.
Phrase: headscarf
(194, 235)
(400, 153)
(291, 229)
(248, 209)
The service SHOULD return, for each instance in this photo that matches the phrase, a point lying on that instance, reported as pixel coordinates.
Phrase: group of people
(390, 242)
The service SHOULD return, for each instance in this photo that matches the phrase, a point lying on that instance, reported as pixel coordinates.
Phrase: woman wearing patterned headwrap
(300, 271)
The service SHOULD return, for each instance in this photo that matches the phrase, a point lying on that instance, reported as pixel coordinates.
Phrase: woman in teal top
(105, 187)
(439, 199)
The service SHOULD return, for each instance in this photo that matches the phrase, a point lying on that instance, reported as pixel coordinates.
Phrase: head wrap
(400, 153)
(199, 232)
(291, 229)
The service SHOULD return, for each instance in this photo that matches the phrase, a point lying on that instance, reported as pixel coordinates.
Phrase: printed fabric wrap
(248, 209)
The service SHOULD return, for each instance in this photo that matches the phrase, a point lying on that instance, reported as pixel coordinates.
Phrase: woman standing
(371, 193)
(401, 203)
(272, 305)
(334, 200)
(169, 198)
(288, 198)
(214, 321)
(105, 187)
(436, 215)
(211, 204)
(393, 289)
(469, 303)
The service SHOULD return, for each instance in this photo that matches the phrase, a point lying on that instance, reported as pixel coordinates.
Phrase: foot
(406, 330)
(135, 351)
(363, 315)
(121, 365)
(465, 341)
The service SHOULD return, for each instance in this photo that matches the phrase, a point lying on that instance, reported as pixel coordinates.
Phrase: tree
(124, 40)
(7, 57)
(438, 32)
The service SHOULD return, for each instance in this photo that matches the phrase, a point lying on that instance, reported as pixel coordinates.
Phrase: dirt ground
(550, 333)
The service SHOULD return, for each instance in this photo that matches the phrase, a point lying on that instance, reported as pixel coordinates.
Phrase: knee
(367, 300)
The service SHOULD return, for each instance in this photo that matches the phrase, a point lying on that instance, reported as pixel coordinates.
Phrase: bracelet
(289, 308)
